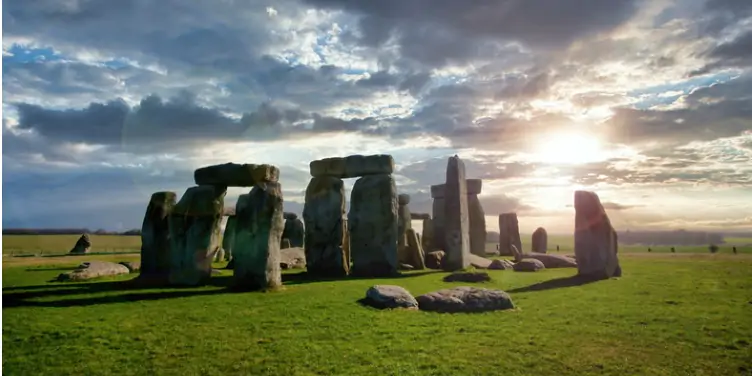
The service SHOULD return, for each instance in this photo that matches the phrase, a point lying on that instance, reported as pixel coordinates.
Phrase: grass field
(670, 314)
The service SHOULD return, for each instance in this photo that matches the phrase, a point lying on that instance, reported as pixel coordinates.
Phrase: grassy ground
(61, 244)
(670, 314)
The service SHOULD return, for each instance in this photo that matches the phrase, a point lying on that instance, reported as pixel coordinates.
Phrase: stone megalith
(477, 217)
(155, 236)
(260, 222)
(509, 234)
(456, 218)
(82, 246)
(372, 223)
(236, 175)
(404, 222)
(194, 234)
(540, 240)
(294, 230)
(414, 251)
(324, 228)
(437, 241)
(346, 242)
(595, 241)
(228, 238)
(353, 166)
(428, 235)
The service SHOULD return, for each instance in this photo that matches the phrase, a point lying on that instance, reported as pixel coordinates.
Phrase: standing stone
(509, 234)
(194, 223)
(439, 241)
(82, 246)
(427, 237)
(228, 238)
(324, 229)
(540, 240)
(257, 238)
(372, 223)
(404, 222)
(346, 242)
(456, 220)
(477, 222)
(414, 250)
(595, 242)
(294, 230)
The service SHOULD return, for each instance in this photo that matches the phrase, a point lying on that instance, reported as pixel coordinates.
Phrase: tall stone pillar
(595, 240)
(509, 234)
(404, 222)
(540, 240)
(324, 229)
(456, 218)
(477, 216)
(372, 223)
(155, 237)
(294, 230)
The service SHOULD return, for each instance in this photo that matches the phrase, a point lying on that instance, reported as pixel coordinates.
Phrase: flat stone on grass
(472, 277)
(389, 296)
(465, 299)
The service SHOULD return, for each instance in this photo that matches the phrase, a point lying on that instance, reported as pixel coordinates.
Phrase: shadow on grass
(556, 283)
(59, 269)
(290, 279)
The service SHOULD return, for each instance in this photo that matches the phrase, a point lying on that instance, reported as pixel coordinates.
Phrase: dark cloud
(736, 53)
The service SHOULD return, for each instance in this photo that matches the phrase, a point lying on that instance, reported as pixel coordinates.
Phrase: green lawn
(681, 314)
(62, 244)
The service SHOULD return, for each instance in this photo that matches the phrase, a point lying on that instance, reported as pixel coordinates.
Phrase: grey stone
(155, 236)
(294, 231)
(456, 219)
(236, 175)
(403, 199)
(465, 299)
(509, 234)
(474, 187)
(414, 250)
(93, 269)
(324, 227)
(438, 242)
(477, 222)
(595, 241)
(390, 296)
(194, 234)
(353, 166)
(540, 240)
(372, 223)
(528, 265)
(479, 262)
(472, 277)
(257, 239)
(404, 222)
(133, 266)
(82, 246)
(500, 265)
(292, 258)
(551, 261)
(434, 259)
(228, 238)
(427, 236)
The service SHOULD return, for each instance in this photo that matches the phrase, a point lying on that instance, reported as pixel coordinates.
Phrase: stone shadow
(556, 283)
(303, 278)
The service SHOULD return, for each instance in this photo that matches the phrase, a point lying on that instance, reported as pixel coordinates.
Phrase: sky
(647, 103)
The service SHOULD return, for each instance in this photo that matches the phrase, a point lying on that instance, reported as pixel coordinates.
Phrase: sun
(568, 148)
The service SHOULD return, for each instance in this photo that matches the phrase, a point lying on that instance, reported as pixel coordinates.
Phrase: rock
(414, 250)
(346, 243)
(257, 239)
(465, 299)
(419, 216)
(540, 240)
(427, 236)
(438, 241)
(82, 246)
(434, 259)
(292, 258)
(403, 199)
(324, 227)
(133, 266)
(194, 234)
(93, 269)
(456, 220)
(294, 231)
(390, 296)
(479, 262)
(228, 238)
(551, 261)
(406, 267)
(236, 175)
(595, 241)
(528, 265)
(353, 166)
(500, 265)
(290, 216)
(472, 277)
(372, 223)
(477, 223)
(155, 236)
(285, 243)
(404, 222)
(509, 234)
(474, 187)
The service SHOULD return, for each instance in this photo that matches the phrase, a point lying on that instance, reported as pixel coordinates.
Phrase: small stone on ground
(389, 296)
(468, 277)
(465, 299)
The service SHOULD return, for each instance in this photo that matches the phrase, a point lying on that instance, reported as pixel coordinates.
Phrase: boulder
(404, 222)
(353, 166)
(403, 199)
(540, 240)
(500, 265)
(292, 258)
(465, 299)
(434, 259)
(479, 262)
(390, 296)
(228, 238)
(236, 175)
(133, 266)
(551, 261)
(82, 246)
(324, 227)
(93, 269)
(438, 241)
(290, 216)
(456, 219)
(472, 277)
(427, 236)
(155, 236)
(528, 265)
(294, 230)
(509, 234)
(372, 223)
(595, 240)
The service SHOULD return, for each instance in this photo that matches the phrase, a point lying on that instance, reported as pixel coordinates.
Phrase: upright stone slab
(372, 223)
(595, 241)
(155, 236)
(404, 222)
(475, 212)
(194, 240)
(236, 175)
(228, 238)
(456, 219)
(540, 240)
(478, 233)
(257, 238)
(414, 250)
(324, 229)
(294, 230)
(439, 242)
(346, 243)
(509, 234)
(427, 237)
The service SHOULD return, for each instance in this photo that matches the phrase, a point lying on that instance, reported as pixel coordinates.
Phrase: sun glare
(568, 148)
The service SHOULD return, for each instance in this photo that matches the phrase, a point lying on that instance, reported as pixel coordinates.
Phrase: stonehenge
(404, 223)
(540, 240)
(509, 234)
(324, 227)
(372, 224)
(294, 230)
(477, 218)
(456, 223)
(595, 240)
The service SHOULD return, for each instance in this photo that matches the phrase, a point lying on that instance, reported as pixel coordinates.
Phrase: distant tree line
(677, 237)
(66, 231)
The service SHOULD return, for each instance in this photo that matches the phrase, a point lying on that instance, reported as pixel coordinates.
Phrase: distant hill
(67, 231)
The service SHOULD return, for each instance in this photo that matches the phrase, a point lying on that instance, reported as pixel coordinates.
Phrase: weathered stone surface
(540, 240)
(456, 219)
(500, 265)
(93, 269)
(228, 238)
(472, 277)
(427, 236)
(294, 231)
(509, 234)
(346, 243)
(324, 227)
(473, 188)
(551, 261)
(353, 166)
(289, 215)
(389, 296)
(438, 241)
(477, 225)
(236, 175)
(595, 242)
(194, 234)
(133, 266)
(82, 246)
(415, 255)
(434, 259)
(465, 299)
(155, 236)
(479, 262)
(372, 223)
(420, 216)
(292, 258)
(528, 265)
(403, 199)
(404, 222)
(257, 238)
